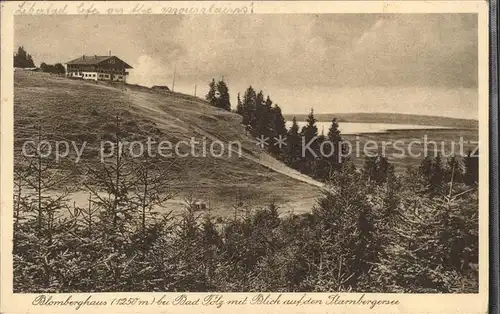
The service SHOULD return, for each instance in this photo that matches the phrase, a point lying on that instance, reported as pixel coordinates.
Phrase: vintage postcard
(280, 157)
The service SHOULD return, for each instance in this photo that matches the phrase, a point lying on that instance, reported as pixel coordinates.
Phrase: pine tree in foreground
(433, 244)
(471, 165)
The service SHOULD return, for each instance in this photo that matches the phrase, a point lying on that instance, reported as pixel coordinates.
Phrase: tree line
(22, 59)
(325, 153)
(53, 68)
(218, 95)
(264, 118)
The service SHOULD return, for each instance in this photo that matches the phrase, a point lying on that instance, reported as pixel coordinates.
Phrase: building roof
(91, 60)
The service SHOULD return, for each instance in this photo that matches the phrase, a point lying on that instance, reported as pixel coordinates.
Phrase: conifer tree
(294, 145)
(258, 125)
(279, 131)
(425, 167)
(322, 168)
(279, 123)
(22, 59)
(188, 255)
(391, 198)
(349, 227)
(210, 242)
(331, 148)
(376, 168)
(267, 118)
(151, 189)
(44, 67)
(437, 174)
(249, 107)
(264, 118)
(471, 165)
(239, 106)
(453, 170)
(413, 258)
(223, 101)
(110, 184)
(336, 140)
(309, 135)
(211, 96)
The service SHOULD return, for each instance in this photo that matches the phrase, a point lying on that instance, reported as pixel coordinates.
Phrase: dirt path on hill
(264, 159)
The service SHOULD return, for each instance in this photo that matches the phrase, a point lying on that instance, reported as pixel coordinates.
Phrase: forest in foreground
(370, 231)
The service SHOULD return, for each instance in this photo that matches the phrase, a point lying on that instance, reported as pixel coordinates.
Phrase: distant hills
(395, 118)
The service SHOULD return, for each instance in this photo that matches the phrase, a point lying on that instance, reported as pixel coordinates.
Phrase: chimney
(83, 57)
(110, 53)
(95, 56)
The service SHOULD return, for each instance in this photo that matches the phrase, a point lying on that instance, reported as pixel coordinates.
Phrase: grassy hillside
(85, 112)
(395, 118)
(80, 111)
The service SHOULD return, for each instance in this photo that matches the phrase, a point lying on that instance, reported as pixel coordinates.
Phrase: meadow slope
(85, 112)
(78, 111)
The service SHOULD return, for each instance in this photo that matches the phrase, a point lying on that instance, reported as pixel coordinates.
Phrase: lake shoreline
(357, 128)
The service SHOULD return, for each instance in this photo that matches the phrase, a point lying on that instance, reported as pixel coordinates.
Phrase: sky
(404, 63)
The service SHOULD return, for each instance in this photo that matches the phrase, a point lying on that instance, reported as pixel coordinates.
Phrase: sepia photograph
(232, 152)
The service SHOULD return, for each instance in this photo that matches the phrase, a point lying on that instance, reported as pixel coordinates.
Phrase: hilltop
(83, 111)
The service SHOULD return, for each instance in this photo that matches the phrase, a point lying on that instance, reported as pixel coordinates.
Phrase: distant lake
(357, 128)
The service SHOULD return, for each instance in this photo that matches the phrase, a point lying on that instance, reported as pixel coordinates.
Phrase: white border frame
(409, 303)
